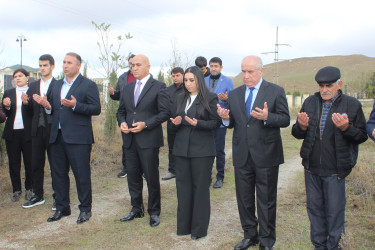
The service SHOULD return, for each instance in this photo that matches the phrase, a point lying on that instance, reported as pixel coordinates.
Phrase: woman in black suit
(17, 134)
(194, 150)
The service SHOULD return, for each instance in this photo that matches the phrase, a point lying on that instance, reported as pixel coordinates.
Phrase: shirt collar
(257, 86)
(66, 81)
(45, 82)
(333, 99)
(145, 79)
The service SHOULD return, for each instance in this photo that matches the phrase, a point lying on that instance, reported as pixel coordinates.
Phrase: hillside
(299, 74)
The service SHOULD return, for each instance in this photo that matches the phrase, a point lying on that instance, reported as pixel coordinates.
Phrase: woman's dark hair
(202, 93)
(22, 70)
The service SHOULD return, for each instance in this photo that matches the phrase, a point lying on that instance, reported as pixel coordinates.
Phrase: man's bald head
(140, 66)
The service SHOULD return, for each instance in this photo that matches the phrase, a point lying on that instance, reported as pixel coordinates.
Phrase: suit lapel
(259, 100)
(76, 83)
(38, 88)
(147, 86)
(242, 100)
(50, 87)
(131, 93)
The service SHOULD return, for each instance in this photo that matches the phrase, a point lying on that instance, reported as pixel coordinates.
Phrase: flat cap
(327, 74)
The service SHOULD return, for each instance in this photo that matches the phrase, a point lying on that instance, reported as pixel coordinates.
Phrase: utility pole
(21, 38)
(276, 59)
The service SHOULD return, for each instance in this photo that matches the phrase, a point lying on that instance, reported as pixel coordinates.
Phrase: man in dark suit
(73, 101)
(143, 108)
(256, 110)
(173, 91)
(124, 79)
(220, 85)
(40, 127)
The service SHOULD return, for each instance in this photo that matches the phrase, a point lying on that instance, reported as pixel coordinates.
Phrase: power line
(276, 53)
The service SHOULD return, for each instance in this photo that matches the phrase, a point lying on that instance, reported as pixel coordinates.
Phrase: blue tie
(248, 102)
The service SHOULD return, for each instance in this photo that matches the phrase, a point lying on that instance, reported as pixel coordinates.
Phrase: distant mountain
(299, 74)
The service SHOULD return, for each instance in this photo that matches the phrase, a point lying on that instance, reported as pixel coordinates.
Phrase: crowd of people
(53, 117)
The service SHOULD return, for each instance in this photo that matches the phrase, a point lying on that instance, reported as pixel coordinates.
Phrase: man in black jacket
(173, 91)
(332, 125)
(115, 95)
(40, 128)
(143, 108)
(201, 62)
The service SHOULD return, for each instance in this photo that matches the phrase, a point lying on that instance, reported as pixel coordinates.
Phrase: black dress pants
(17, 146)
(138, 161)
(250, 178)
(77, 156)
(39, 146)
(193, 179)
(171, 135)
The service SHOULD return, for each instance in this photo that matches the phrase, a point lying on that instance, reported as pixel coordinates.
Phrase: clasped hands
(177, 121)
(257, 113)
(136, 127)
(341, 121)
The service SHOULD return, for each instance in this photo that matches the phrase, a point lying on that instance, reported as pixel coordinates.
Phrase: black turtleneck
(213, 82)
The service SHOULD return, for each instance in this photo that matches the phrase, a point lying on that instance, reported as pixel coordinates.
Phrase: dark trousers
(325, 199)
(78, 157)
(138, 161)
(171, 135)
(17, 146)
(193, 179)
(40, 145)
(219, 134)
(123, 152)
(263, 180)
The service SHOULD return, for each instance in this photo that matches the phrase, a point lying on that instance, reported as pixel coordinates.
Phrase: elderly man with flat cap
(332, 125)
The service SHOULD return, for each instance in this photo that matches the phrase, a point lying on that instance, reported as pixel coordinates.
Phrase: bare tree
(178, 59)
(110, 54)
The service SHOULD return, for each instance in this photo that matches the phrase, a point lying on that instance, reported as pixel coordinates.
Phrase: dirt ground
(110, 196)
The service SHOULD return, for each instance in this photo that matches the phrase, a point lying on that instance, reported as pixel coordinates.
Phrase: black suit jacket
(197, 141)
(122, 81)
(11, 114)
(76, 127)
(262, 140)
(34, 108)
(152, 108)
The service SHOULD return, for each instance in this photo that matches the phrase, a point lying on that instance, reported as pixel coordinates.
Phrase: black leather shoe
(265, 248)
(59, 214)
(83, 217)
(133, 215)
(246, 243)
(218, 183)
(196, 237)
(154, 220)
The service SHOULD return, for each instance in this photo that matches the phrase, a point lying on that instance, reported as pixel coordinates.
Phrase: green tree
(110, 54)
(161, 75)
(110, 123)
(85, 68)
(61, 75)
(112, 62)
(371, 87)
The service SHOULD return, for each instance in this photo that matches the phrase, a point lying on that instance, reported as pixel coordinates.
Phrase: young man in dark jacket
(173, 91)
(332, 125)
(124, 79)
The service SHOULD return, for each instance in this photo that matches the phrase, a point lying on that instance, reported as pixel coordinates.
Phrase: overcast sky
(229, 29)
